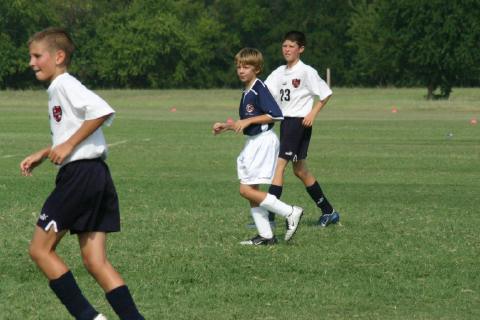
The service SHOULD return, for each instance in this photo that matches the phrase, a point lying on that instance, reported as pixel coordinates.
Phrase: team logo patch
(250, 108)
(295, 83)
(57, 113)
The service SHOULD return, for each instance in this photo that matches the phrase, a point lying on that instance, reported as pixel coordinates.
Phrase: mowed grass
(407, 185)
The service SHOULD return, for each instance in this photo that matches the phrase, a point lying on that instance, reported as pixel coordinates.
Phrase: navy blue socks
(71, 296)
(122, 303)
(317, 195)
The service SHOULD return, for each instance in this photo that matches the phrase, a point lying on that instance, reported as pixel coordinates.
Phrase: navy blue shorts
(294, 139)
(84, 199)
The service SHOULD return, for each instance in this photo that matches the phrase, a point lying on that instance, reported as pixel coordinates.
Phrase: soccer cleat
(329, 218)
(260, 241)
(292, 222)
(252, 225)
(100, 317)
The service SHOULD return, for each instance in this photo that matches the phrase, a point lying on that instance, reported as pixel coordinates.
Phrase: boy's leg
(62, 282)
(279, 172)
(92, 246)
(42, 252)
(265, 235)
(259, 215)
(271, 203)
(257, 196)
(94, 256)
(276, 187)
(315, 191)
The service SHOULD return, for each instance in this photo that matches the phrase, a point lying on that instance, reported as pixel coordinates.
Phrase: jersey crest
(57, 113)
(295, 83)
(250, 108)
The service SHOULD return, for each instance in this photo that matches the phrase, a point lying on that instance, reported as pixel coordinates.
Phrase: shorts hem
(291, 158)
(85, 231)
(256, 181)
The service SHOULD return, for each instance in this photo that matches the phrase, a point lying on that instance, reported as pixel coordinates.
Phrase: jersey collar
(295, 67)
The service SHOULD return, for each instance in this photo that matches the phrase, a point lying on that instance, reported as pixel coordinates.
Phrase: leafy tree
(262, 24)
(158, 45)
(18, 20)
(432, 43)
(325, 25)
(374, 61)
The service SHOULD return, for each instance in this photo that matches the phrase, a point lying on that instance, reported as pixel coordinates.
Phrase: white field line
(117, 143)
(110, 145)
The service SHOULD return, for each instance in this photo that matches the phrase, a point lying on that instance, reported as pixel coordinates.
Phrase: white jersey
(294, 88)
(69, 104)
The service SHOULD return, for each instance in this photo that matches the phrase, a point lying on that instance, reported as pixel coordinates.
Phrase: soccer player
(84, 200)
(294, 86)
(256, 163)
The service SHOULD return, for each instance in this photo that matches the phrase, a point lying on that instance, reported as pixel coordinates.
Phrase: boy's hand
(219, 127)
(308, 120)
(58, 154)
(29, 163)
(239, 125)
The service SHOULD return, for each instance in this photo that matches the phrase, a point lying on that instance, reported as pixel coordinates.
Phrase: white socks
(271, 203)
(260, 217)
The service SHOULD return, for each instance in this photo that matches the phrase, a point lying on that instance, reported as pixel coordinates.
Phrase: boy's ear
(301, 49)
(60, 57)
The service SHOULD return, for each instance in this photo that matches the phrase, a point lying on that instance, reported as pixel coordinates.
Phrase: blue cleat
(329, 218)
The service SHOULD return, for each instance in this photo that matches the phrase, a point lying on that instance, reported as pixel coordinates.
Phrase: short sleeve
(267, 103)
(272, 86)
(317, 86)
(87, 102)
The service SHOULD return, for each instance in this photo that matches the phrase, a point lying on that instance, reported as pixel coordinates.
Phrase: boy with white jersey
(84, 200)
(256, 163)
(294, 86)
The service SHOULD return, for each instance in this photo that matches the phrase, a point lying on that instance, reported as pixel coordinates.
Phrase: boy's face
(45, 62)
(246, 73)
(291, 51)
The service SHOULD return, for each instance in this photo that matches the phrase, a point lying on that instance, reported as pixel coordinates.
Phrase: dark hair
(57, 39)
(296, 36)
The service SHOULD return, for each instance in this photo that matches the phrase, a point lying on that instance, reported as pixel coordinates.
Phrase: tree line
(191, 43)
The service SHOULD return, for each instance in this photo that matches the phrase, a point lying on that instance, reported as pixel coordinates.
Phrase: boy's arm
(239, 125)
(60, 152)
(310, 117)
(33, 160)
(219, 127)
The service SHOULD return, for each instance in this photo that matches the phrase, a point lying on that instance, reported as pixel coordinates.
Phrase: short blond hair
(56, 39)
(250, 56)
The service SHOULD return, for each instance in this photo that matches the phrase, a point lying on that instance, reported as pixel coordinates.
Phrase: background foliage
(191, 43)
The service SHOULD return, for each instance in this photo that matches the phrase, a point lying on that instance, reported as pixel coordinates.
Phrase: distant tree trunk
(445, 91)
(430, 89)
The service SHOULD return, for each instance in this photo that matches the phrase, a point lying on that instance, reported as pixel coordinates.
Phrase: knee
(93, 264)
(301, 173)
(36, 253)
(243, 192)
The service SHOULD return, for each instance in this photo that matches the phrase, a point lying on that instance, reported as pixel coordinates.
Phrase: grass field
(407, 185)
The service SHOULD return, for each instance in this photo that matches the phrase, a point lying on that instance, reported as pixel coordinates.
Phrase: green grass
(407, 246)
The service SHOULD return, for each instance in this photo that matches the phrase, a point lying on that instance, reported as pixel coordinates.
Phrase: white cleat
(100, 317)
(292, 222)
